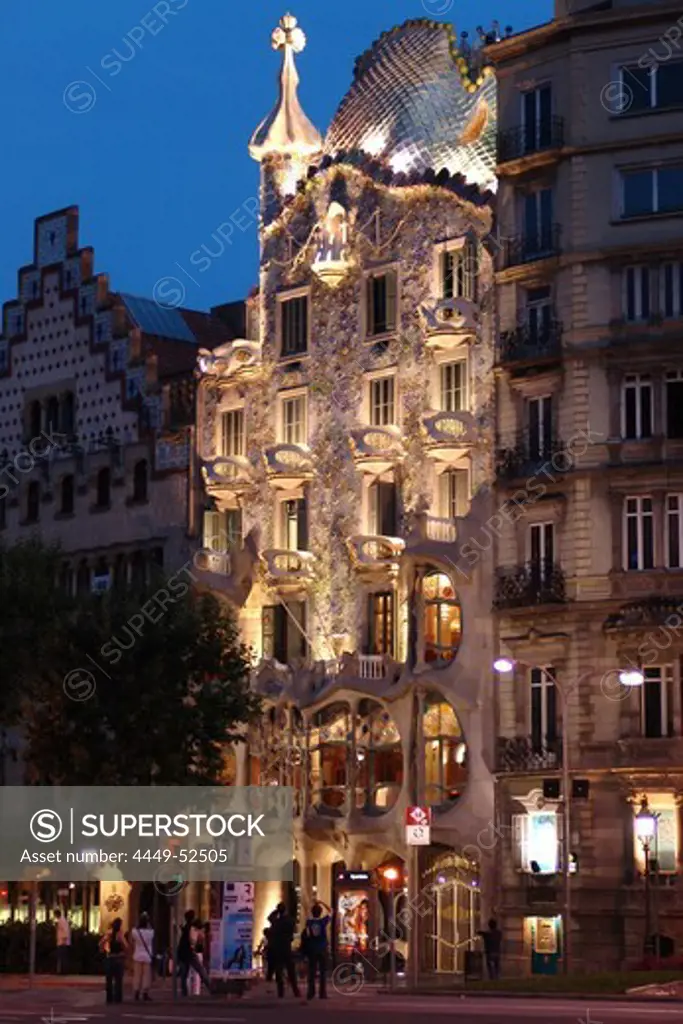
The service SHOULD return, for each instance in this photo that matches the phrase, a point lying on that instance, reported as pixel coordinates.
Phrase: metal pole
(32, 934)
(174, 944)
(566, 797)
(414, 935)
(648, 900)
(392, 939)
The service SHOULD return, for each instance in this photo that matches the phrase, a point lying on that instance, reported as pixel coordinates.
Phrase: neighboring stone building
(590, 435)
(348, 440)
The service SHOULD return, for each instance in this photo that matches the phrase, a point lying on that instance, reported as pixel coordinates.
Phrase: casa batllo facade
(345, 445)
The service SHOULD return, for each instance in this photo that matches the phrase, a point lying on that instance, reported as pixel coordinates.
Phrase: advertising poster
(237, 929)
(353, 922)
(216, 947)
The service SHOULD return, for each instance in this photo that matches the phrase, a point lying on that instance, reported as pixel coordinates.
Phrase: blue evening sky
(154, 149)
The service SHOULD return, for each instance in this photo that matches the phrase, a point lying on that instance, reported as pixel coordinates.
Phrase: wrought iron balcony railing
(527, 456)
(525, 140)
(527, 754)
(522, 586)
(531, 246)
(527, 343)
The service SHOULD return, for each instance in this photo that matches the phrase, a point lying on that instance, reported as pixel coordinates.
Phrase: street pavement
(60, 1007)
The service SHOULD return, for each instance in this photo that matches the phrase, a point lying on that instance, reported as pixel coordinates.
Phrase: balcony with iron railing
(529, 247)
(528, 754)
(528, 456)
(529, 585)
(530, 344)
(530, 140)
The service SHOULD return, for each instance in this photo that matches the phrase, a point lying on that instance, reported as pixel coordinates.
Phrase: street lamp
(646, 831)
(627, 677)
(391, 875)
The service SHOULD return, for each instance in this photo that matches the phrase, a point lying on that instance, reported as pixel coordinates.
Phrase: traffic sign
(418, 826)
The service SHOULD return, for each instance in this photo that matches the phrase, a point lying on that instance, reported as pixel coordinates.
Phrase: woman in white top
(142, 938)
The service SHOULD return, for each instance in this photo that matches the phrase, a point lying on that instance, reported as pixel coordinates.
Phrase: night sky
(141, 117)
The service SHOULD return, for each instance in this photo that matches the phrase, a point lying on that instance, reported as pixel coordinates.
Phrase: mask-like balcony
(450, 323)
(376, 552)
(284, 566)
(228, 472)
(433, 528)
(288, 465)
(239, 357)
(449, 434)
(376, 449)
(207, 560)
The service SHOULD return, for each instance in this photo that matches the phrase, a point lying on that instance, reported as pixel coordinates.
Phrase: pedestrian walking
(63, 939)
(197, 939)
(115, 947)
(314, 940)
(280, 944)
(142, 938)
(493, 940)
(187, 957)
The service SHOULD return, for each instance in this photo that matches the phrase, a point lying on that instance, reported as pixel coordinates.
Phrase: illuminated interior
(664, 844)
(328, 758)
(379, 771)
(442, 618)
(446, 769)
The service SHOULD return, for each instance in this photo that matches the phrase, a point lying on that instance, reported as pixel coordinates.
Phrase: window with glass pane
(233, 432)
(638, 86)
(541, 551)
(294, 325)
(214, 536)
(674, 527)
(671, 290)
(379, 773)
(328, 757)
(283, 628)
(454, 495)
(460, 271)
(295, 524)
(657, 702)
(669, 84)
(669, 189)
(383, 518)
(538, 313)
(453, 387)
(382, 405)
(674, 404)
(294, 420)
(540, 420)
(538, 218)
(445, 752)
(542, 841)
(636, 408)
(638, 534)
(636, 293)
(536, 112)
(381, 303)
(233, 527)
(638, 193)
(442, 618)
(380, 623)
(543, 708)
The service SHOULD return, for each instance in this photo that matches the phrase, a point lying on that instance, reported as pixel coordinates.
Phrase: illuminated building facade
(345, 446)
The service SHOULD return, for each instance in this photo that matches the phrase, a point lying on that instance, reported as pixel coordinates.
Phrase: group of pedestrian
(115, 946)
(279, 958)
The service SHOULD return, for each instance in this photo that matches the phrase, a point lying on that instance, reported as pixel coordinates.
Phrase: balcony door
(543, 708)
(540, 427)
(538, 222)
(541, 553)
(284, 631)
(657, 702)
(294, 514)
(536, 118)
(538, 314)
(383, 512)
(380, 624)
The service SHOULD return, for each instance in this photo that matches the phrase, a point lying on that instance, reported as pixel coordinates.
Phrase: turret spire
(286, 130)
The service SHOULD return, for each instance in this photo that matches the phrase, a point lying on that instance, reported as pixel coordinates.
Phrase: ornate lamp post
(646, 831)
(390, 875)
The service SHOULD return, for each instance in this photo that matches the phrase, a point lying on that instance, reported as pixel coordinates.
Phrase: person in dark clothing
(115, 946)
(315, 945)
(280, 946)
(187, 957)
(493, 940)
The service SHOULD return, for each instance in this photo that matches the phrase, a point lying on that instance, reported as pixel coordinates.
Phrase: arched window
(66, 506)
(33, 502)
(140, 480)
(104, 488)
(445, 752)
(442, 618)
(379, 771)
(328, 759)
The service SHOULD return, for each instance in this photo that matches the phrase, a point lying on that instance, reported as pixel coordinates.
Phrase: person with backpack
(314, 943)
(142, 938)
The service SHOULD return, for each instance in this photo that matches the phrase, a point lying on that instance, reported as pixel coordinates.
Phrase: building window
(233, 527)
(674, 404)
(674, 531)
(537, 841)
(138, 570)
(543, 701)
(381, 299)
(636, 293)
(538, 313)
(294, 520)
(328, 758)
(233, 433)
(664, 848)
(66, 506)
(454, 493)
(103, 488)
(380, 624)
(294, 420)
(140, 480)
(445, 752)
(283, 629)
(651, 88)
(382, 402)
(656, 702)
(33, 502)
(537, 118)
(541, 552)
(52, 413)
(636, 407)
(83, 579)
(442, 618)
(383, 509)
(379, 773)
(540, 421)
(538, 222)
(671, 290)
(35, 419)
(652, 190)
(453, 391)
(68, 414)
(294, 325)
(638, 534)
(459, 268)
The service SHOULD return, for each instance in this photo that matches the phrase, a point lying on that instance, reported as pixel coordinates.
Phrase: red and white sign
(418, 826)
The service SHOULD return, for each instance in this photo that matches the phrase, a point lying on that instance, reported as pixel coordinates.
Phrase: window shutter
(370, 306)
(268, 631)
(471, 269)
(302, 524)
(461, 497)
(211, 530)
(280, 633)
(388, 525)
(520, 841)
(370, 625)
(445, 507)
(391, 297)
(373, 509)
(447, 275)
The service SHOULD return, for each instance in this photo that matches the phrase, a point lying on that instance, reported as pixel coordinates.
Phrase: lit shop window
(537, 840)
(664, 845)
